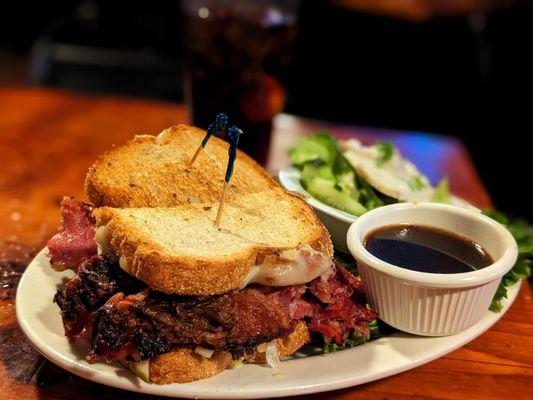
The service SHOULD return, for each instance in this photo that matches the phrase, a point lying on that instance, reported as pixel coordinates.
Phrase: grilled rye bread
(155, 171)
(179, 251)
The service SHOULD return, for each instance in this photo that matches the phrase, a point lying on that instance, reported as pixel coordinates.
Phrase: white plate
(336, 221)
(40, 320)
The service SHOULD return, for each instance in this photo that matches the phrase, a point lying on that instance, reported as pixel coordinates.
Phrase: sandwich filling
(123, 319)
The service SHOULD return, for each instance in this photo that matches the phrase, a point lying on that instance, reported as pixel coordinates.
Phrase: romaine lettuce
(522, 268)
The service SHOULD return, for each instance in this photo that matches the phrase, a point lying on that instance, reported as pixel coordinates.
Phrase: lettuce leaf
(326, 174)
(442, 192)
(319, 159)
(320, 146)
(522, 269)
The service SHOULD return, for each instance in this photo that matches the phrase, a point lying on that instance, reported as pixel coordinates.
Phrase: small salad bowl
(432, 304)
(336, 221)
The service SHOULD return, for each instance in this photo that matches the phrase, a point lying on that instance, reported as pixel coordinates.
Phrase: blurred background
(455, 67)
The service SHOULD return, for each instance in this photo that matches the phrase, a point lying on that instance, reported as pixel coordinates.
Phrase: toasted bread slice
(178, 250)
(286, 346)
(184, 365)
(152, 171)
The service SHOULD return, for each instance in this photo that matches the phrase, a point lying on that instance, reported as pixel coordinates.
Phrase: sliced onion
(207, 353)
(272, 357)
(140, 368)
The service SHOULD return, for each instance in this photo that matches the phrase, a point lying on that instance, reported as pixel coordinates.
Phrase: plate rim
(86, 372)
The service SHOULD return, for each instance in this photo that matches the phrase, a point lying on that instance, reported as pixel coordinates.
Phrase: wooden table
(48, 139)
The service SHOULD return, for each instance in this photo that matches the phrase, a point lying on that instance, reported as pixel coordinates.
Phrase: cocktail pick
(216, 128)
(233, 134)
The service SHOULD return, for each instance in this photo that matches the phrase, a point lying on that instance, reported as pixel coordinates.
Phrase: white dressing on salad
(396, 177)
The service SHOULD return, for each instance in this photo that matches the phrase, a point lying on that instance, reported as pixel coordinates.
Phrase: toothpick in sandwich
(216, 128)
(233, 134)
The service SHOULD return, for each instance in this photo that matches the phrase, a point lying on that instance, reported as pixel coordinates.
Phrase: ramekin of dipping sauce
(432, 303)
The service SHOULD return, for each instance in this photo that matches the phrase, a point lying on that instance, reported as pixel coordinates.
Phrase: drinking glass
(237, 56)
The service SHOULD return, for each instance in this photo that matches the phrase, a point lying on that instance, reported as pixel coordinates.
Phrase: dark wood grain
(48, 139)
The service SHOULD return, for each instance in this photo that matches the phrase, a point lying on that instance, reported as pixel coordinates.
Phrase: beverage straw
(234, 134)
(216, 128)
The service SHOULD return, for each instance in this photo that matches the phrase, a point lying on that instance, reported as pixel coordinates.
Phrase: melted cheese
(290, 268)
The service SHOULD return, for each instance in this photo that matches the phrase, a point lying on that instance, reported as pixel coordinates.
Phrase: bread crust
(184, 365)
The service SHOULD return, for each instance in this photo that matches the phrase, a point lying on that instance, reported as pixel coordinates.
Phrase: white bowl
(336, 221)
(427, 303)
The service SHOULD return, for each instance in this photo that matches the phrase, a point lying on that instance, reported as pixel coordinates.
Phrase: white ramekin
(426, 303)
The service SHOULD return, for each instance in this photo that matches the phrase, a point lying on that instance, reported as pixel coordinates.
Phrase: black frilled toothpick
(216, 128)
(233, 136)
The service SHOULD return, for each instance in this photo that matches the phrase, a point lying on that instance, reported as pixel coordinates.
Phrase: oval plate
(40, 320)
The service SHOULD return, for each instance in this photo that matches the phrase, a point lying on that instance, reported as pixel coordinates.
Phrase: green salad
(334, 176)
(328, 176)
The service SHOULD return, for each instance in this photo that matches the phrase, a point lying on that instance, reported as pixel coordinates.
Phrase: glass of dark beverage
(237, 56)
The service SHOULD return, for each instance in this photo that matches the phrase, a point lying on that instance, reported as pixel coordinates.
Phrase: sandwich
(159, 288)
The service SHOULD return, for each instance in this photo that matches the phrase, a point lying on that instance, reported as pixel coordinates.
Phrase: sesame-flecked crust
(184, 365)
